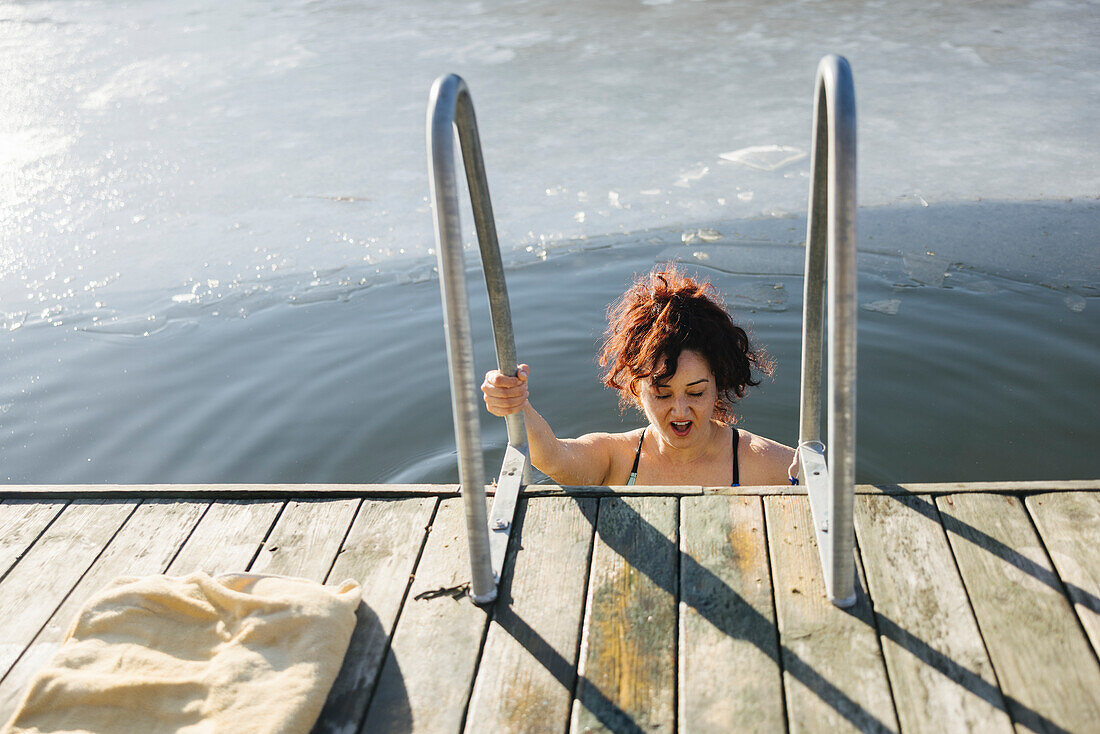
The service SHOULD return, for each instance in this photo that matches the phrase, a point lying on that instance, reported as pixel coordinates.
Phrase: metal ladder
(831, 262)
(830, 258)
(450, 108)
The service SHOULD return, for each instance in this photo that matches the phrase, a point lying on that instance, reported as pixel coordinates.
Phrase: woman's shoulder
(619, 449)
(613, 441)
(762, 461)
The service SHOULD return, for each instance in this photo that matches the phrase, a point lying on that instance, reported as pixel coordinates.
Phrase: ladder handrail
(450, 108)
(831, 256)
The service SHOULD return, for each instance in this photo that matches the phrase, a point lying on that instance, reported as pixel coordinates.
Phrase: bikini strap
(637, 456)
(736, 473)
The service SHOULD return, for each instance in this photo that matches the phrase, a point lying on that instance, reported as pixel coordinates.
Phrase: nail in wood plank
(1070, 527)
(145, 545)
(729, 675)
(833, 673)
(426, 678)
(41, 580)
(380, 553)
(1046, 669)
(226, 538)
(21, 523)
(306, 538)
(628, 650)
(528, 669)
(941, 675)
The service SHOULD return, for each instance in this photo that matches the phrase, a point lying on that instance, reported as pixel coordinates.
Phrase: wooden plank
(211, 492)
(755, 491)
(528, 668)
(43, 578)
(21, 522)
(1070, 526)
(145, 545)
(940, 673)
(226, 539)
(639, 490)
(934, 488)
(1046, 668)
(1061, 485)
(833, 672)
(425, 681)
(729, 647)
(380, 553)
(628, 651)
(306, 538)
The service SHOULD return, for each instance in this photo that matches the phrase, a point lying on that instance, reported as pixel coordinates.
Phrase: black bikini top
(638, 455)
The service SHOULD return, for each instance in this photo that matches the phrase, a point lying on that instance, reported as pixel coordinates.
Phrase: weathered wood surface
(637, 490)
(729, 673)
(306, 538)
(931, 488)
(42, 579)
(21, 523)
(226, 538)
(628, 651)
(145, 545)
(937, 488)
(833, 671)
(437, 663)
(528, 668)
(210, 492)
(1046, 669)
(939, 670)
(425, 681)
(1070, 527)
(380, 552)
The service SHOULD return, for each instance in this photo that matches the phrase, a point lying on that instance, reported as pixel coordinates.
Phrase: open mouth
(681, 428)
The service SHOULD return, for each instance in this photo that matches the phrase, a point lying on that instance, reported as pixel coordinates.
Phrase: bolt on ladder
(450, 108)
(831, 275)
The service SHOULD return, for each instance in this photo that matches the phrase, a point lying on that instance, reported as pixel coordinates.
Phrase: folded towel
(236, 653)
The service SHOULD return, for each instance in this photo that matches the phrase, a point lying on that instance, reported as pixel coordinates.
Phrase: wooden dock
(634, 609)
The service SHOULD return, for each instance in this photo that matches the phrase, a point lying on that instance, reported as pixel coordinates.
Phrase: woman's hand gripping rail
(580, 461)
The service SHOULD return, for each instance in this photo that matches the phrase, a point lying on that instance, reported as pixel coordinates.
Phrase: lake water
(216, 257)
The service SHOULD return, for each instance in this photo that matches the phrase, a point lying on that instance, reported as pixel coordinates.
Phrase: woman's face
(681, 408)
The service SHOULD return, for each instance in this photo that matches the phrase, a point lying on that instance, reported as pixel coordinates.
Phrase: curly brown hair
(661, 315)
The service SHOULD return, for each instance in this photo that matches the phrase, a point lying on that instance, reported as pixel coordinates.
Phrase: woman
(671, 350)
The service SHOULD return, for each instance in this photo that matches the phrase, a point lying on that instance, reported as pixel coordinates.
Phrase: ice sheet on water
(691, 175)
(130, 126)
(765, 157)
(1075, 303)
(749, 259)
(705, 234)
(887, 306)
(927, 269)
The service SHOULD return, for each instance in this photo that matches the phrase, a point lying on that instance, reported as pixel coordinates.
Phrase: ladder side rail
(451, 110)
(443, 186)
(841, 286)
(831, 274)
(500, 312)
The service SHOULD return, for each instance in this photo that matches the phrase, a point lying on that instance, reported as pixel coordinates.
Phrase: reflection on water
(966, 373)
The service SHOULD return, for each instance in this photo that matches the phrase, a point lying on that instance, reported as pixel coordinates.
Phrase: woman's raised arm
(584, 461)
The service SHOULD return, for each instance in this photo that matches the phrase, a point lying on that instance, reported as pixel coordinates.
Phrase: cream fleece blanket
(238, 653)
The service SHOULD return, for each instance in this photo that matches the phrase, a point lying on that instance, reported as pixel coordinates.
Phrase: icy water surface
(216, 261)
(965, 373)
